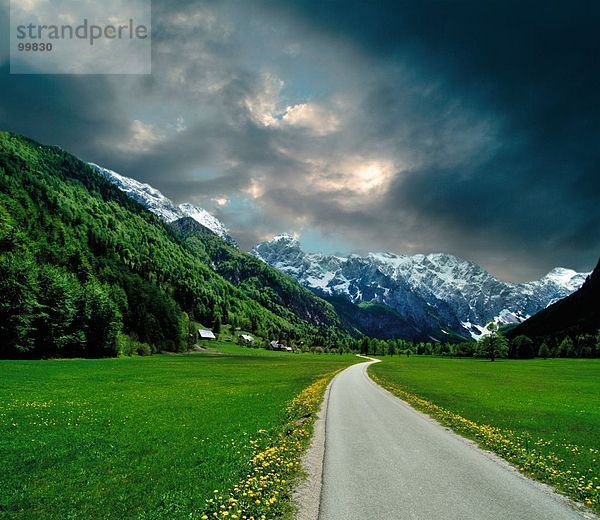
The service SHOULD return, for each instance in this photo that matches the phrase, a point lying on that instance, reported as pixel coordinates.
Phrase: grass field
(544, 414)
(139, 437)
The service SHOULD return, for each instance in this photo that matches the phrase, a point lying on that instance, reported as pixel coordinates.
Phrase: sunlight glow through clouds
(221, 201)
(372, 176)
(256, 188)
(313, 117)
(355, 176)
(144, 136)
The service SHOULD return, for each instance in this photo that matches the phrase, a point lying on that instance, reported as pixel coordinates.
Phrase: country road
(383, 460)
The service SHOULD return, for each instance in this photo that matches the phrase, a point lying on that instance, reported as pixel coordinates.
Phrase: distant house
(247, 338)
(206, 334)
(275, 345)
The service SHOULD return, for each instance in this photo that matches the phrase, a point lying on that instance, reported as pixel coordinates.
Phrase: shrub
(143, 349)
(128, 346)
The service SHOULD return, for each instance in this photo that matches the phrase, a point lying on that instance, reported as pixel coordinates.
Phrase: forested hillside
(81, 265)
(258, 280)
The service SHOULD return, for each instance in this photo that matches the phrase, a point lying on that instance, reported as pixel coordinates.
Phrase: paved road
(384, 461)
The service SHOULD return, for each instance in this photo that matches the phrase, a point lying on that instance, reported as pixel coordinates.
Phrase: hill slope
(80, 262)
(265, 284)
(576, 314)
(375, 320)
(154, 201)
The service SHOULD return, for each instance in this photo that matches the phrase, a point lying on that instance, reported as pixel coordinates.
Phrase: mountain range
(436, 295)
(420, 297)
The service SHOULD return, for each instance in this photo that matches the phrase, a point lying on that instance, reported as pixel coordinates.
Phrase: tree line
(493, 346)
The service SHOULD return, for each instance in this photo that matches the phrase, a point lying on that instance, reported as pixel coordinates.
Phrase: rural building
(247, 338)
(275, 345)
(206, 334)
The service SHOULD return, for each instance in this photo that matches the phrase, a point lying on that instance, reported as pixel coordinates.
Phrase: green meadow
(546, 412)
(139, 437)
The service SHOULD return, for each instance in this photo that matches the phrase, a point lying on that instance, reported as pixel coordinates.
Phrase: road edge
(578, 507)
(307, 494)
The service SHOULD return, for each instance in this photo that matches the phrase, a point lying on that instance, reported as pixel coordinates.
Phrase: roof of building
(206, 334)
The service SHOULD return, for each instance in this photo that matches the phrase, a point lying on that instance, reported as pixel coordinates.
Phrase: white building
(206, 334)
(275, 345)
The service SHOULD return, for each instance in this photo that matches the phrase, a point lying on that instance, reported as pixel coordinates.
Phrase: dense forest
(516, 347)
(84, 270)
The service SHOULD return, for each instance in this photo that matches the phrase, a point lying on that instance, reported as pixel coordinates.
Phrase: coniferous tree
(522, 347)
(217, 325)
(565, 348)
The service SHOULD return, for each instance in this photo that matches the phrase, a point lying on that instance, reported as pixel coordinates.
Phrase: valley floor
(180, 435)
(152, 437)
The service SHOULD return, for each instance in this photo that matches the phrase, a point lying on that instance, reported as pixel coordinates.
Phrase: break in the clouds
(465, 127)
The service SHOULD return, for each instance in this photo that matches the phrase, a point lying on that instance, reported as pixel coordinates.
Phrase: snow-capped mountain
(157, 203)
(435, 291)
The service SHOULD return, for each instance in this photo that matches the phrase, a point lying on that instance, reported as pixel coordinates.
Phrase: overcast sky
(468, 127)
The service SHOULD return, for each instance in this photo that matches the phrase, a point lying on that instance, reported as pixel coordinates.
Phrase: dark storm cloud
(466, 127)
(534, 68)
(71, 111)
(80, 113)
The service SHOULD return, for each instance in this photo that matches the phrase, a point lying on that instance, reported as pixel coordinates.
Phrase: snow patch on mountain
(205, 218)
(566, 278)
(146, 195)
(154, 201)
(505, 317)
